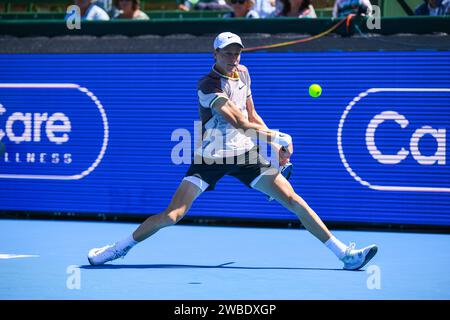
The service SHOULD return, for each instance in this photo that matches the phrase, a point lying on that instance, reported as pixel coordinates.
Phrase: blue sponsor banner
(394, 139)
(113, 133)
(38, 132)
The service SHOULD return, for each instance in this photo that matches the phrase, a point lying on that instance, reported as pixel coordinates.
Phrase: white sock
(127, 242)
(336, 246)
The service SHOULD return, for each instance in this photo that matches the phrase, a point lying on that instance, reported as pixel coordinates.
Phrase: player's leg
(181, 201)
(277, 187)
(260, 174)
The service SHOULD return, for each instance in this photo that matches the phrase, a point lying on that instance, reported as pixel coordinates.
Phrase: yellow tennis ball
(315, 90)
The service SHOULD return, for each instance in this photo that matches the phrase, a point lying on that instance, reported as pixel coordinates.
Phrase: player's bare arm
(235, 117)
(284, 153)
(253, 116)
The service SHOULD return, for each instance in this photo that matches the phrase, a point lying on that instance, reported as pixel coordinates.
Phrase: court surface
(47, 260)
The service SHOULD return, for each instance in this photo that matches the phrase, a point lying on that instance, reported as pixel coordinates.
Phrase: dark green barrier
(415, 25)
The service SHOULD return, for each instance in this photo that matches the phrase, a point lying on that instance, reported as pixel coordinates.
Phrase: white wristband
(282, 139)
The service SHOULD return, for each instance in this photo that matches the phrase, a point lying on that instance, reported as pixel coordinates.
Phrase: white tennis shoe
(99, 256)
(355, 259)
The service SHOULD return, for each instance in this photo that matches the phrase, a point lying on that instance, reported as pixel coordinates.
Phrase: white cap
(226, 38)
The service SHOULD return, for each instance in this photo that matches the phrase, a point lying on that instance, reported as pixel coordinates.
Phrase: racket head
(286, 170)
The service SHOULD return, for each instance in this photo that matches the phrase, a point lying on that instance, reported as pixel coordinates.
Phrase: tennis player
(227, 111)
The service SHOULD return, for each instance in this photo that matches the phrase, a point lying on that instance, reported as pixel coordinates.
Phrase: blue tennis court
(47, 260)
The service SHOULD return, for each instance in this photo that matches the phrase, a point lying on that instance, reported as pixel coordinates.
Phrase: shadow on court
(189, 266)
(171, 273)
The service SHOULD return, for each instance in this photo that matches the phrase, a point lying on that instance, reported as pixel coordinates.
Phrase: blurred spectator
(107, 5)
(433, 8)
(187, 5)
(104, 4)
(129, 9)
(90, 11)
(265, 8)
(343, 8)
(241, 9)
(297, 8)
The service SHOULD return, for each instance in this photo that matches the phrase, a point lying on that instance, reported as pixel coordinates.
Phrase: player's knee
(287, 201)
(293, 202)
(173, 216)
(168, 219)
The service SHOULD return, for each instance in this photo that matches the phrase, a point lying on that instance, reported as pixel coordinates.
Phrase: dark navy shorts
(247, 167)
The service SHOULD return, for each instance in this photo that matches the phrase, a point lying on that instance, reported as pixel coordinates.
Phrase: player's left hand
(284, 154)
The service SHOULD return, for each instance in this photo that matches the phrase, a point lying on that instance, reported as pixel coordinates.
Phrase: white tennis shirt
(220, 138)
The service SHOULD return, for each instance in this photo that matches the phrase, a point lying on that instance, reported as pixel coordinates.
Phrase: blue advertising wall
(95, 133)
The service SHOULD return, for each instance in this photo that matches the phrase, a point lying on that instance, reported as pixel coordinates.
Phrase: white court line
(14, 256)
